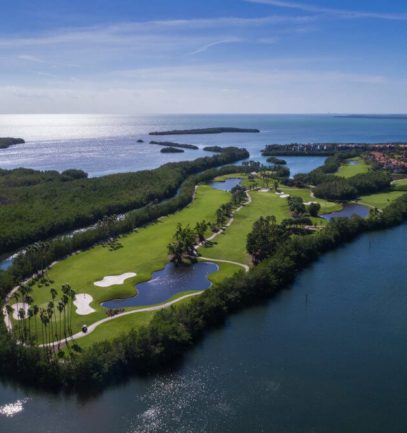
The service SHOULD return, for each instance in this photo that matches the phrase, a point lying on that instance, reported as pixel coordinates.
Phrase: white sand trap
(284, 195)
(81, 302)
(310, 202)
(264, 190)
(112, 280)
(16, 308)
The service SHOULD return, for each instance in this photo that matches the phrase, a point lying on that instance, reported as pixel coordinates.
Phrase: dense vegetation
(174, 330)
(9, 141)
(335, 188)
(171, 150)
(204, 131)
(37, 205)
(171, 144)
(40, 255)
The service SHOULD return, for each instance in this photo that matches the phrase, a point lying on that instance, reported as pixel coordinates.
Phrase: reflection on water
(166, 283)
(348, 211)
(226, 185)
(12, 409)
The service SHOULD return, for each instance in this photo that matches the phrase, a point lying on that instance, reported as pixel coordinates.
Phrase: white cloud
(305, 7)
(216, 43)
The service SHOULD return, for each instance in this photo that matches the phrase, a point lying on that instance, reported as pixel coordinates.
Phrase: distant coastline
(374, 116)
(205, 131)
(6, 142)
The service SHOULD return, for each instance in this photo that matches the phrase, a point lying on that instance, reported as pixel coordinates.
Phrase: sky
(203, 56)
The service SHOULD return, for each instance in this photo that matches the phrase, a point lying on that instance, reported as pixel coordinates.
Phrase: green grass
(381, 200)
(231, 245)
(305, 194)
(349, 170)
(143, 252)
(400, 185)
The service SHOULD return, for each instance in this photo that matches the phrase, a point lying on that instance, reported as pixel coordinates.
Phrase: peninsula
(6, 142)
(205, 131)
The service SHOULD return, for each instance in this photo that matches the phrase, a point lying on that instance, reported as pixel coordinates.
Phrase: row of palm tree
(52, 329)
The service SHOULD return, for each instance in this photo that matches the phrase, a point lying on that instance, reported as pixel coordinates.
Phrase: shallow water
(328, 355)
(348, 211)
(166, 283)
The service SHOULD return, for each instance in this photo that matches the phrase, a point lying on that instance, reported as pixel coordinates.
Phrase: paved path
(92, 327)
(242, 265)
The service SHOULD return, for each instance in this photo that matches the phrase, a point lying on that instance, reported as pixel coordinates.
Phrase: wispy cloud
(306, 7)
(214, 44)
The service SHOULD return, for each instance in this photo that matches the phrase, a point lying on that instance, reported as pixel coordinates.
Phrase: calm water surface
(328, 355)
(166, 283)
(103, 144)
(348, 211)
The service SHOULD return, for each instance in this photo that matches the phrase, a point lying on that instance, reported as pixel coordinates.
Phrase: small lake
(348, 211)
(226, 185)
(166, 283)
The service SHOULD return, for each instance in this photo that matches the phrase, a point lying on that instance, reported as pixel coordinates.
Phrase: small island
(171, 150)
(178, 145)
(205, 131)
(216, 149)
(6, 142)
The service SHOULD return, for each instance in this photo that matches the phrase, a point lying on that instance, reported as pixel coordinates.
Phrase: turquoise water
(102, 144)
(328, 355)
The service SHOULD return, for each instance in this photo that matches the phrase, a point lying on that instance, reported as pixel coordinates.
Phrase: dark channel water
(166, 283)
(328, 355)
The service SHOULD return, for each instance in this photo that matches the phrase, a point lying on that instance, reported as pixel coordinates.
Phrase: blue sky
(203, 56)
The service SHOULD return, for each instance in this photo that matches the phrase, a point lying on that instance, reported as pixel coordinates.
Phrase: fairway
(400, 185)
(352, 167)
(381, 200)
(142, 252)
(231, 245)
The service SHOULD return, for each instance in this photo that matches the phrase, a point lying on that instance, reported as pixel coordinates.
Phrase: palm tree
(71, 294)
(35, 312)
(21, 316)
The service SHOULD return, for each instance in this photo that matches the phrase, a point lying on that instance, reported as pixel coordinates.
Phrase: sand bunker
(16, 308)
(310, 202)
(284, 195)
(264, 190)
(81, 302)
(112, 280)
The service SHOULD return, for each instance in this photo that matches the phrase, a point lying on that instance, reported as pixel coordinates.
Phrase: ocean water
(103, 144)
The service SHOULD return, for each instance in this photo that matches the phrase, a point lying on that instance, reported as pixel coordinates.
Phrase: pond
(348, 211)
(226, 185)
(166, 283)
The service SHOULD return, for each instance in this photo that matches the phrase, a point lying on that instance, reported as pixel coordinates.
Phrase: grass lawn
(305, 194)
(143, 252)
(381, 200)
(400, 185)
(352, 167)
(232, 244)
